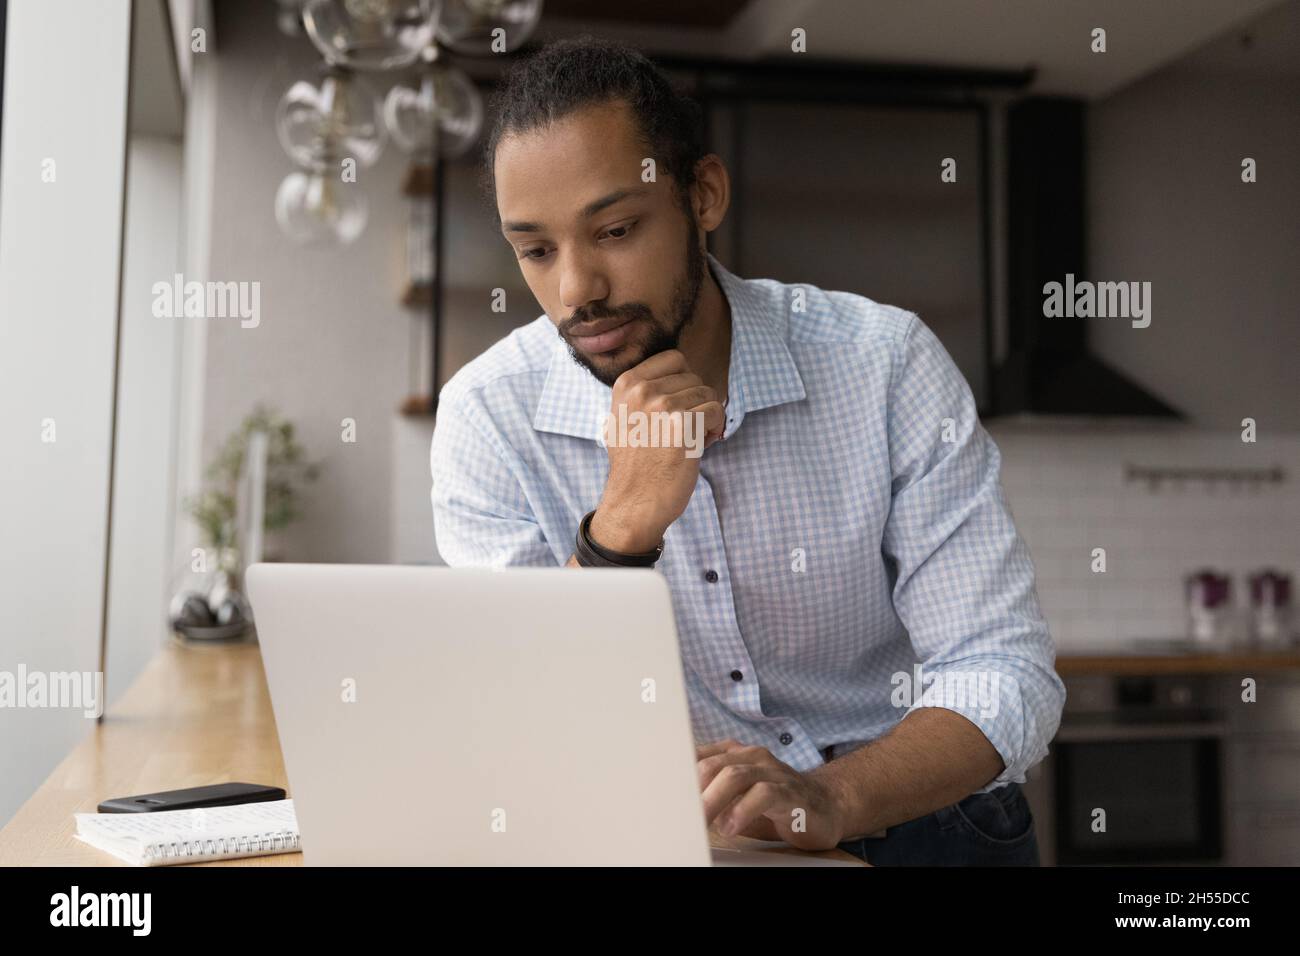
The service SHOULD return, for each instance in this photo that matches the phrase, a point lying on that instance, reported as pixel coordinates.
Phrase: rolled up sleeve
(963, 581)
(481, 516)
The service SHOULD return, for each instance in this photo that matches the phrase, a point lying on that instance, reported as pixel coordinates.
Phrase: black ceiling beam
(765, 77)
(790, 79)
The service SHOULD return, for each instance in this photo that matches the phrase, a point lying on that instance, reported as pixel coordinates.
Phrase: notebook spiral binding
(283, 840)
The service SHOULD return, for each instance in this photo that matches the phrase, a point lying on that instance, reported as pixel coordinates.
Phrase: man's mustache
(586, 315)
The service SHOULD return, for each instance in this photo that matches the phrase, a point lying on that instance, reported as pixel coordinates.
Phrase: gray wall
(1167, 205)
(333, 339)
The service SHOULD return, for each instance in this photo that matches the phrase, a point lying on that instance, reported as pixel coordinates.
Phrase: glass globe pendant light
(445, 113)
(320, 127)
(318, 208)
(371, 34)
(467, 26)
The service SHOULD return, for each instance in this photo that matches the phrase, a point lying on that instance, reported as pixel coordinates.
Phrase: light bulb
(446, 109)
(467, 26)
(371, 34)
(340, 120)
(317, 208)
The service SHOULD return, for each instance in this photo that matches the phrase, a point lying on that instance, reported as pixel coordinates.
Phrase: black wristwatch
(589, 554)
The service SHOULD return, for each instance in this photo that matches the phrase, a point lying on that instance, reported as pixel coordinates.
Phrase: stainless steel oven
(1136, 773)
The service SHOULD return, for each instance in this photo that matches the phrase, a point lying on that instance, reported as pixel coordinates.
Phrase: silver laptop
(526, 716)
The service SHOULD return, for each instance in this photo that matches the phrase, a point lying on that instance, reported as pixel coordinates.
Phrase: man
(865, 658)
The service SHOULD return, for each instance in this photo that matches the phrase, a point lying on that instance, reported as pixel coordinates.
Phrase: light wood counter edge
(1244, 660)
(196, 715)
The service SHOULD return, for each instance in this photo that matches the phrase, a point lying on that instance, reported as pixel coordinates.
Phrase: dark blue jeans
(985, 829)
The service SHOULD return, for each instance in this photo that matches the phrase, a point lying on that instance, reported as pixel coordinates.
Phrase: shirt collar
(762, 372)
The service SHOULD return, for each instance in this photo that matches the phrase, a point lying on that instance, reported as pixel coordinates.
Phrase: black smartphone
(217, 795)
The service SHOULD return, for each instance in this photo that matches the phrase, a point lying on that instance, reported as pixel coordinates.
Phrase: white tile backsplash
(1066, 485)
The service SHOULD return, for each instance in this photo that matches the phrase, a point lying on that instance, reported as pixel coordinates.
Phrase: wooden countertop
(1242, 660)
(197, 715)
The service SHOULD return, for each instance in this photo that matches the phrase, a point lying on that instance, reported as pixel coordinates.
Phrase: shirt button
(737, 675)
(786, 739)
(711, 576)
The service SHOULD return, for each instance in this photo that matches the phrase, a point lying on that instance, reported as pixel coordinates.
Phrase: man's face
(615, 262)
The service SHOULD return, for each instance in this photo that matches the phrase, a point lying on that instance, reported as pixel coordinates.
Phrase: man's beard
(661, 338)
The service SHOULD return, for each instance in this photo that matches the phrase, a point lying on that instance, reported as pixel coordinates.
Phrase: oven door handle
(1122, 732)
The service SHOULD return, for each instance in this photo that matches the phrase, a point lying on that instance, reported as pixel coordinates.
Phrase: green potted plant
(216, 511)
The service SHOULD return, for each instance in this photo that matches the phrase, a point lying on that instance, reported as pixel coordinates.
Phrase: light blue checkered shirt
(849, 526)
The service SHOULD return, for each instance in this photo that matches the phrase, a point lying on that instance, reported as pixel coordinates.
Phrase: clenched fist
(650, 481)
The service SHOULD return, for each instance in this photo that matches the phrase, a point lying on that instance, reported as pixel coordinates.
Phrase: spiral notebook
(193, 836)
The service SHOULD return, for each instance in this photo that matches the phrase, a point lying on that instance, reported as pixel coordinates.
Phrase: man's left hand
(749, 792)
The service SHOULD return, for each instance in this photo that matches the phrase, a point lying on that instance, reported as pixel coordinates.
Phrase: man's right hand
(648, 488)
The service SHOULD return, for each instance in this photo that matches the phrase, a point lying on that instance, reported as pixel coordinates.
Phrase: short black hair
(567, 75)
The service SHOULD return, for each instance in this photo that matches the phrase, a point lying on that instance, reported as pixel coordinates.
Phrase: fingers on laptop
(717, 747)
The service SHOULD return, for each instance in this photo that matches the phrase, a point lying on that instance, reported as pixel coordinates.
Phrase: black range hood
(1048, 369)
